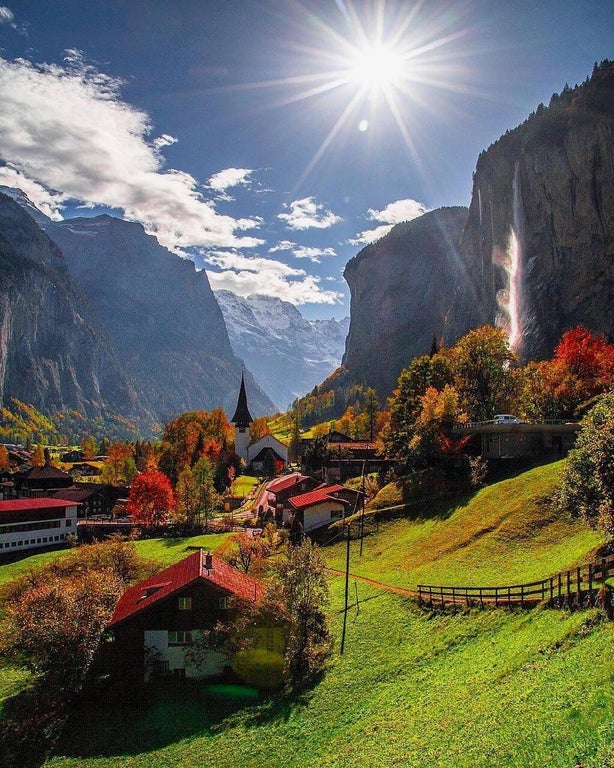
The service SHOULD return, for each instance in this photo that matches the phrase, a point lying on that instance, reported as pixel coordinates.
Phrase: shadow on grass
(170, 713)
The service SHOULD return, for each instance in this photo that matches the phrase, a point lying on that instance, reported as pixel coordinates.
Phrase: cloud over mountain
(393, 213)
(66, 132)
(307, 213)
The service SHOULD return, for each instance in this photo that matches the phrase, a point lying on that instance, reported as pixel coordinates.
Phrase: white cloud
(283, 245)
(393, 213)
(6, 15)
(307, 213)
(303, 251)
(164, 141)
(230, 177)
(246, 275)
(67, 130)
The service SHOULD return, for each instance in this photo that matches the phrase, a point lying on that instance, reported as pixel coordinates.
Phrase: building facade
(33, 523)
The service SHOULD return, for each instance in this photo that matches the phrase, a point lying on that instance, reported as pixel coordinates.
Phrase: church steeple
(242, 418)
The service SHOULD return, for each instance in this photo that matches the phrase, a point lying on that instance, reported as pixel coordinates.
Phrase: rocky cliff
(160, 313)
(287, 353)
(406, 288)
(51, 352)
(539, 236)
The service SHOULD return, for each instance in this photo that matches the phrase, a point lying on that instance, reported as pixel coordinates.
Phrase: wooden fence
(574, 588)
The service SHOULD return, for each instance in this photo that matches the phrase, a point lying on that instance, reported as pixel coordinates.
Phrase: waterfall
(514, 269)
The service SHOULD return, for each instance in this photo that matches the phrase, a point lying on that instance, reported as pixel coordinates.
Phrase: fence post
(522, 595)
(453, 596)
(560, 588)
(496, 597)
(579, 586)
(568, 589)
(442, 600)
(590, 583)
(481, 599)
(551, 590)
(604, 570)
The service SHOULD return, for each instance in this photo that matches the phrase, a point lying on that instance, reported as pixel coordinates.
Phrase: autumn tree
(38, 457)
(248, 551)
(116, 468)
(89, 448)
(151, 498)
(482, 364)
(303, 589)
(5, 462)
(259, 428)
(588, 481)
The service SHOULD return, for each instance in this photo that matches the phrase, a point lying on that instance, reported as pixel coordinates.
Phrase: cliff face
(51, 353)
(406, 288)
(160, 313)
(539, 237)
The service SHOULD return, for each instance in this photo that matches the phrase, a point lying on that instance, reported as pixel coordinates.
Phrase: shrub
(260, 667)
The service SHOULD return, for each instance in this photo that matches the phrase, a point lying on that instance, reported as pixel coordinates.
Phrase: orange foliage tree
(151, 498)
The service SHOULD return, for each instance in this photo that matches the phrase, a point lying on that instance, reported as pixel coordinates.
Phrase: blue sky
(269, 141)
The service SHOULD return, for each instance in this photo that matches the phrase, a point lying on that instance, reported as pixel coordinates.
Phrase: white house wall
(321, 514)
(47, 533)
(156, 641)
(268, 441)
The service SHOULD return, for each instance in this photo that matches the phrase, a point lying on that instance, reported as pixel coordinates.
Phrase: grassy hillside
(520, 689)
(469, 690)
(507, 533)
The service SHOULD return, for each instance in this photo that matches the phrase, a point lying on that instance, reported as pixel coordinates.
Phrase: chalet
(32, 523)
(511, 440)
(37, 481)
(155, 621)
(94, 500)
(323, 505)
(282, 488)
(85, 469)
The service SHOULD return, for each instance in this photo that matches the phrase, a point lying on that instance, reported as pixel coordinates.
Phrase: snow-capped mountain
(287, 353)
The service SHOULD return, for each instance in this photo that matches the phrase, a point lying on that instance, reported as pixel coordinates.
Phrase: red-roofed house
(155, 621)
(33, 523)
(323, 505)
(286, 486)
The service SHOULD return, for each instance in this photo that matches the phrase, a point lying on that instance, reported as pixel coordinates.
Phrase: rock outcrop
(406, 288)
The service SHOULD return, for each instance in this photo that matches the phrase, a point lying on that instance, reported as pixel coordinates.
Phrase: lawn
(243, 485)
(507, 533)
(465, 690)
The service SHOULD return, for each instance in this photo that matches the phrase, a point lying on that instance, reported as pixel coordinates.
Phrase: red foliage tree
(151, 498)
(589, 358)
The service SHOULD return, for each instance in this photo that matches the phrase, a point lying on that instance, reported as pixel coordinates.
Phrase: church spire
(242, 417)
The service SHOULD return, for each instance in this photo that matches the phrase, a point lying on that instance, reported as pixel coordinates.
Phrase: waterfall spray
(514, 268)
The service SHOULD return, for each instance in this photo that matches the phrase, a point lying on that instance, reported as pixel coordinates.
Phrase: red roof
(285, 482)
(323, 493)
(177, 576)
(22, 505)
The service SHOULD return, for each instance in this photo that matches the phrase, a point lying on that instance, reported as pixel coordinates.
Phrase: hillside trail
(378, 584)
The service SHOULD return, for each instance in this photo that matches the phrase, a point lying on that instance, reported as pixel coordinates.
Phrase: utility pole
(362, 502)
(347, 583)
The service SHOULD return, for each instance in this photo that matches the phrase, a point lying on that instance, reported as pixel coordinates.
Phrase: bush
(260, 667)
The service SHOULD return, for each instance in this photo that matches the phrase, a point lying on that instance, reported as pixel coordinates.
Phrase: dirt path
(378, 584)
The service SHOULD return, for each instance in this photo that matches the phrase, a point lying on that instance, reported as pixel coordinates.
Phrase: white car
(506, 418)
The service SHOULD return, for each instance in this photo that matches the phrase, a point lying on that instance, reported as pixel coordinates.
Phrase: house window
(179, 637)
(68, 522)
(179, 672)
(224, 603)
(185, 603)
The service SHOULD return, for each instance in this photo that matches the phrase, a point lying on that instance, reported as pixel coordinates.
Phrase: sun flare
(377, 68)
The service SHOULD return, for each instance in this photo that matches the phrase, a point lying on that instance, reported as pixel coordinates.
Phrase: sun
(377, 67)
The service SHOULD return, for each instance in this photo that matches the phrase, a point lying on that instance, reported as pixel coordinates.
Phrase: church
(268, 451)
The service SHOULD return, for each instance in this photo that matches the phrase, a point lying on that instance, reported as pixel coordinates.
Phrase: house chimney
(208, 562)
